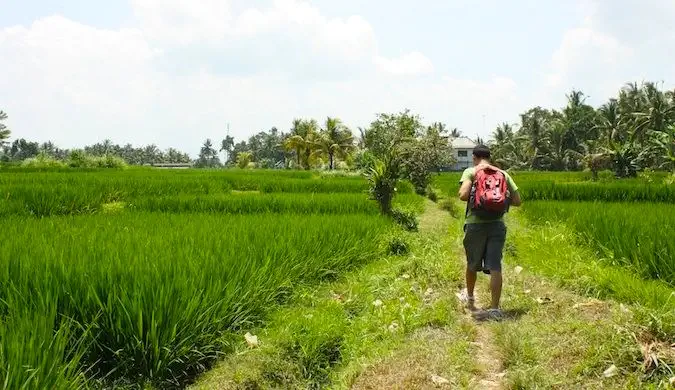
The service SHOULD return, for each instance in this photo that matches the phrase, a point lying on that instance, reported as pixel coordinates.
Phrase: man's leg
(495, 288)
(475, 239)
(471, 277)
(493, 260)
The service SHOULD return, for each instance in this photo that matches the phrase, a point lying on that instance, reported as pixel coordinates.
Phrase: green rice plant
(158, 291)
(37, 349)
(618, 191)
(253, 203)
(639, 235)
(75, 192)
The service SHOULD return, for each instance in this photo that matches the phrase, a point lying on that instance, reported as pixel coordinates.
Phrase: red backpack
(488, 194)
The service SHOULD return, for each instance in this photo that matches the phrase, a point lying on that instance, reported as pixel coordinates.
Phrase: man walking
(484, 228)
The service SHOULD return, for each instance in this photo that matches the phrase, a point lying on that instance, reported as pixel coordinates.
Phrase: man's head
(481, 153)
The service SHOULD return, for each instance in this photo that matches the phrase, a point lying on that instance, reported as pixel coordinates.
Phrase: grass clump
(406, 219)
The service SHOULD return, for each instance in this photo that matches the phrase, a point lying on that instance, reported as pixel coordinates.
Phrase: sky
(175, 72)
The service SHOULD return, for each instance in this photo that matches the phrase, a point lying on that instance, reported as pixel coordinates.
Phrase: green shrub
(80, 159)
(397, 246)
(383, 178)
(43, 160)
(406, 219)
(314, 342)
(451, 207)
(432, 195)
(243, 159)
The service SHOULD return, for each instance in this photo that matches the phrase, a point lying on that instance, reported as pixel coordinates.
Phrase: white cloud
(76, 84)
(616, 42)
(179, 22)
(413, 63)
(585, 52)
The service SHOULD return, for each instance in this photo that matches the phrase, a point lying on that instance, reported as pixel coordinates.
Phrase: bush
(80, 159)
(109, 161)
(243, 159)
(451, 207)
(397, 246)
(43, 161)
(432, 195)
(407, 219)
(383, 178)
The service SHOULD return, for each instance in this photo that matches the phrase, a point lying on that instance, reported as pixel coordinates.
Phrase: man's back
(470, 174)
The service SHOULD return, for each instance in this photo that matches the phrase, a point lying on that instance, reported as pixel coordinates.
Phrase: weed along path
(396, 324)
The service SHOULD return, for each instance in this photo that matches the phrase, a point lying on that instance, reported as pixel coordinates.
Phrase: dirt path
(551, 338)
(488, 360)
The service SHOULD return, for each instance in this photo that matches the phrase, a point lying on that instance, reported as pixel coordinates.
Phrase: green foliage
(397, 245)
(4, 131)
(43, 161)
(243, 159)
(432, 195)
(389, 131)
(38, 348)
(208, 156)
(629, 133)
(405, 218)
(551, 250)
(616, 191)
(451, 207)
(629, 234)
(335, 141)
(383, 178)
(80, 159)
(255, 203)
(157, 314)
(314, 343)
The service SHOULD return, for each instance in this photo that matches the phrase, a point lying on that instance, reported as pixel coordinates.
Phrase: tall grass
(619, 191)
(639, 235)
(157, 291)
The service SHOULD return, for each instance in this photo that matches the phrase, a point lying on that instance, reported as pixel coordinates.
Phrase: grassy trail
(555, 338)
(396, 324)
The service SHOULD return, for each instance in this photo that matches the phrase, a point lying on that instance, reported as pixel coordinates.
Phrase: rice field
(636, 235)
(144, 277)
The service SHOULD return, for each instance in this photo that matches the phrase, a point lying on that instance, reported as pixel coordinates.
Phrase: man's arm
(465, 187)
(515, 199)
(465, 190)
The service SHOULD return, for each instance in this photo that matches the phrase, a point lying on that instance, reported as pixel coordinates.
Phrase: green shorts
(483, 244)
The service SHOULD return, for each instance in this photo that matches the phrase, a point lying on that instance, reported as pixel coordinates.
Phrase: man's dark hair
(481, 151)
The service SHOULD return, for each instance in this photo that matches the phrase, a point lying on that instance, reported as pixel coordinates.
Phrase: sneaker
(494, 314)
(469, 301)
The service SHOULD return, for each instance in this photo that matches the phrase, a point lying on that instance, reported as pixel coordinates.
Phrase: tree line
(629, 133)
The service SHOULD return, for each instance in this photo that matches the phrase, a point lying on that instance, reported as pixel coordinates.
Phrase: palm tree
(4, 131)
(226, 146)
(663, 145)
(303, 140)
(609, 122)
(335, 140)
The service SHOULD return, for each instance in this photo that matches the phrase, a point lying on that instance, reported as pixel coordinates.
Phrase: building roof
(462, 143)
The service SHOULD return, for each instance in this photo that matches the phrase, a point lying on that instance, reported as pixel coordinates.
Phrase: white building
(462, 149)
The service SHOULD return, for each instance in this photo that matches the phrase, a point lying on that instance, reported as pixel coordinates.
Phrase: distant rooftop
(462, 143)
